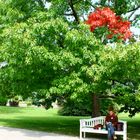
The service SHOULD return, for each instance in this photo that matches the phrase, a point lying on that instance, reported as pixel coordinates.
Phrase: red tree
(105, 17)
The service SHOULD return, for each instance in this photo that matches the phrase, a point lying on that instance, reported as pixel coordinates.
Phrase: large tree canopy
(58, 58)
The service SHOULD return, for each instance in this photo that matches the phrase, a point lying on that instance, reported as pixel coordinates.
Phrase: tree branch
(134, 19)
(131, 15)
(134, 9)
(107, 96)
(70, 14)
(115, 80)
(73, 11)
(91, 4)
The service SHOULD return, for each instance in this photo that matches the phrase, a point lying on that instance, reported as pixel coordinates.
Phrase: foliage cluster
(58, 58)
(115, 25)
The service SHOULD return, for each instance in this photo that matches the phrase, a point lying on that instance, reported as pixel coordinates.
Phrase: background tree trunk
(96, 106)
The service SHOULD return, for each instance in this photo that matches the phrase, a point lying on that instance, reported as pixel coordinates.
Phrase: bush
(76, 108)
(15, 101)
(29, 102)
(82, 106)
(71, 111)
(3, 101)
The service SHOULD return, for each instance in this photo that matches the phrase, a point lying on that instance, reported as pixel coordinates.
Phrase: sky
(135, 30)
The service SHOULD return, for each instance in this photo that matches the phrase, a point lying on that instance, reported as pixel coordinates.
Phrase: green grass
(39, 119)
(133, 125)
(50, 121)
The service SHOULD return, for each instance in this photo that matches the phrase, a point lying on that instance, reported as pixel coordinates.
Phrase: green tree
(50, 55)
(120, 76)
(75, 11)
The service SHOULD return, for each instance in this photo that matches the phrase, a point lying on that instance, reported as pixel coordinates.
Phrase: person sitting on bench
(111, 121)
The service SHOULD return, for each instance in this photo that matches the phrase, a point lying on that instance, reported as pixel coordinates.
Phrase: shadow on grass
(58, 125)
(134, 130)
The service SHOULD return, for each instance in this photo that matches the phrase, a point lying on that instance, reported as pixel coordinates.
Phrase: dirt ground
(7, 133)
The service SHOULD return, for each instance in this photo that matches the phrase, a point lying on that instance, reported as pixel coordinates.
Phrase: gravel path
(7, 133)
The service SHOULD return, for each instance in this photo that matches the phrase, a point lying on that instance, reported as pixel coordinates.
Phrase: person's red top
(112, 118)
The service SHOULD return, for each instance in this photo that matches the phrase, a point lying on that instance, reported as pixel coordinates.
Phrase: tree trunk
(96, 106)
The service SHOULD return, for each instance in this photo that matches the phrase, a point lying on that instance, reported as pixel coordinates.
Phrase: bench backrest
(97, 120)
(93, 121)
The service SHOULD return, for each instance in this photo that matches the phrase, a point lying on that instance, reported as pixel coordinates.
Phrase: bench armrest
(124, 125)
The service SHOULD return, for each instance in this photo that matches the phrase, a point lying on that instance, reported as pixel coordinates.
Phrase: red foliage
(115, 24)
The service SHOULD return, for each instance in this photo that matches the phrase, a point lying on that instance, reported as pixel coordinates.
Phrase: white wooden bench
(86, 125)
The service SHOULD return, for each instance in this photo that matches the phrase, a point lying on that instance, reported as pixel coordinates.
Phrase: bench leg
(84, 134)
(125, 137)
(80, 135)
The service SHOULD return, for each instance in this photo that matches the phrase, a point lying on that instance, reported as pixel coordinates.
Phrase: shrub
(3, 101)
(15, 101)
(76, 108)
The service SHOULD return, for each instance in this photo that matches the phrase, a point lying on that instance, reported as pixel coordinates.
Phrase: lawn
(50, 121)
